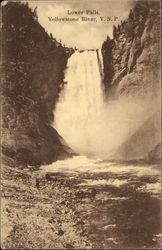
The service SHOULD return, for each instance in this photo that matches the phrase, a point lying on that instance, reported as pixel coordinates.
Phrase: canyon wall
(132, 70)
(33, 65)
(132, 57)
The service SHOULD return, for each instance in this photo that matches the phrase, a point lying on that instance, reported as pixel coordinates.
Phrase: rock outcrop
(132, 70)
(132, 58)
(33, 71)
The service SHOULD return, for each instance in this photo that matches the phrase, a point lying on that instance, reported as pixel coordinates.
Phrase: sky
(81, 34)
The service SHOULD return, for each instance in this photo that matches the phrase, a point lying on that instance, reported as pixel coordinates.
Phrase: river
(119, 202)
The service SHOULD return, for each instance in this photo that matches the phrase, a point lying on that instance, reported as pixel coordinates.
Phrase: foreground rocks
(81, 210)
(39, 216)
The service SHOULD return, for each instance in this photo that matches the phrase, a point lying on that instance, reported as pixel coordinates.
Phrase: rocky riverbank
(92, 205)
(40, 213)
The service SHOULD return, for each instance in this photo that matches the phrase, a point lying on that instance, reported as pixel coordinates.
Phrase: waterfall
(91, 126)
(81, 102)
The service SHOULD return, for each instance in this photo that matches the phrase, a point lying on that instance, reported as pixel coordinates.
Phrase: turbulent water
(121, 171)
(119, 202)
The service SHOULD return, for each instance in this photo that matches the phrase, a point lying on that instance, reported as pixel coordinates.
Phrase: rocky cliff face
(33, 71)
(132, 70)
(132, 58)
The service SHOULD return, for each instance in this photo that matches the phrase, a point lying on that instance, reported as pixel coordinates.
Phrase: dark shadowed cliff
(33, 71)
(132, 70)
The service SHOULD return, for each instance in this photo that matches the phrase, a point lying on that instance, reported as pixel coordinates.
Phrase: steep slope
(132, 70)
(132, 58)
(33, 71)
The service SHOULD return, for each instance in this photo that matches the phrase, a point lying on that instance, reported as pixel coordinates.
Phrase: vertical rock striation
(132, 58)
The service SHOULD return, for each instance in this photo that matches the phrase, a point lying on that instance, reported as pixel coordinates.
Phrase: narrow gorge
(81, 128)
(33, 75)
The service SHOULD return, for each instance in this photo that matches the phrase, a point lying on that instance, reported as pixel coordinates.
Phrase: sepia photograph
(80, 124)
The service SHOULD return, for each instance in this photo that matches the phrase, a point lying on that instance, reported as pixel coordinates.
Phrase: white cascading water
(90, 126)
(81, 102)
(96, 130)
